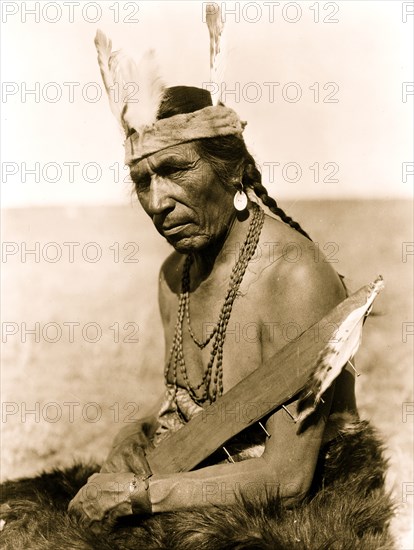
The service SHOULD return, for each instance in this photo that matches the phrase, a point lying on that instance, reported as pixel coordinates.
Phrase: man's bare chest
(241, 340)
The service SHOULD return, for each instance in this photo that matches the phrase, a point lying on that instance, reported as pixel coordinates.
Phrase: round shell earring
(240, 200)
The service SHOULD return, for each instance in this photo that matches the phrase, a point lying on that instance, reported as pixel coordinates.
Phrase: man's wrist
(139, 494)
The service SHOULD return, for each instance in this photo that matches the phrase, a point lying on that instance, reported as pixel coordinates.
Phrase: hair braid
(226, 155)
(253, 178)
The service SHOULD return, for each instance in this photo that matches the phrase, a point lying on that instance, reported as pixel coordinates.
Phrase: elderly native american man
(196, 180)
(188, 190)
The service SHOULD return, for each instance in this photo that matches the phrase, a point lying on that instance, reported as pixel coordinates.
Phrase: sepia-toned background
(82, 343)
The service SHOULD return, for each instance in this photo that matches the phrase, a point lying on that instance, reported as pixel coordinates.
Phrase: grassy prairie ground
(65, 395)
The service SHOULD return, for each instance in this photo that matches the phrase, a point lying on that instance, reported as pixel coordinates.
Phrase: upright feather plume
(336, 354)
(134, 92)
(105, 57)
(151, 89)
(215, 26)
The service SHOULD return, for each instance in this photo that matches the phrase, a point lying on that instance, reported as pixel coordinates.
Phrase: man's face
(188, 205)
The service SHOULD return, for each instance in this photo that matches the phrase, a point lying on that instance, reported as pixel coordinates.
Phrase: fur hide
(347, 509)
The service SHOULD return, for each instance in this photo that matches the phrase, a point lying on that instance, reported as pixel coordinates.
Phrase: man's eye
(142, 182)
(170, 170)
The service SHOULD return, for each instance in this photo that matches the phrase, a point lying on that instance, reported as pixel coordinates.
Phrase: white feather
(104, 49)
(336, 354)
(126, 77)
(151, 90)
(215, 26)
(134, 92)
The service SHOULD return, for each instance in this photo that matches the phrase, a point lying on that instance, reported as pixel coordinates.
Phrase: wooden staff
(266, 389)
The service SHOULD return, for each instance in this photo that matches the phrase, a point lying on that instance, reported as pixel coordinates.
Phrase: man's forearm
(219, 485)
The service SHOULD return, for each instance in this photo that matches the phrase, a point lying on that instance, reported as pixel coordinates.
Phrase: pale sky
(330, 95)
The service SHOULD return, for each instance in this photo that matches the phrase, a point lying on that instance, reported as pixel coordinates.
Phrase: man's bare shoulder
(298, 278)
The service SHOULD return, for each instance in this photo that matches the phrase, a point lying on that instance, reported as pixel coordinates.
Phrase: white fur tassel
(217, 50)
(134, 92)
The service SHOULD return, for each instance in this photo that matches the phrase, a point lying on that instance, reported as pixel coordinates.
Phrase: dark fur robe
(347, 509)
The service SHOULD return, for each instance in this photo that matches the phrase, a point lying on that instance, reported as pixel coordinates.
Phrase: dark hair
(227, 155)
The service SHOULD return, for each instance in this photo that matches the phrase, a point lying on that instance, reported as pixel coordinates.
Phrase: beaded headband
(144, 133)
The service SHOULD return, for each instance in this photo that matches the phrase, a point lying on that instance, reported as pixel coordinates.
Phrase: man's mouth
(173, 229)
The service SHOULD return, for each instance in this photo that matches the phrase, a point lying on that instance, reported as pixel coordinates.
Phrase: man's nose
(160, 198)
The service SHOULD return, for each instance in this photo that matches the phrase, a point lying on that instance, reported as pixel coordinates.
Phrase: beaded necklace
(214, 370)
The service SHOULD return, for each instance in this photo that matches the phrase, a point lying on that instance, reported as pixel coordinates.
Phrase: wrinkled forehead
(178, 156)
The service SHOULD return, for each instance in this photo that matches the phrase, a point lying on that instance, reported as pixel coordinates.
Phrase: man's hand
(106, 497)
(128, 456)
(142, 430)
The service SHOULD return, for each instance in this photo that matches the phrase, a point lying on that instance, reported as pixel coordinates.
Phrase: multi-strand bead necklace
(212, 381)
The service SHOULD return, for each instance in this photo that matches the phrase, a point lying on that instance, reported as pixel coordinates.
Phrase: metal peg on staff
(264, 429)
(290, 414)
(356, 372)
(230, 458)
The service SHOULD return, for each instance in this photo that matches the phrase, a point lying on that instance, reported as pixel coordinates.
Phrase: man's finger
(74, 510)
(92, 476)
